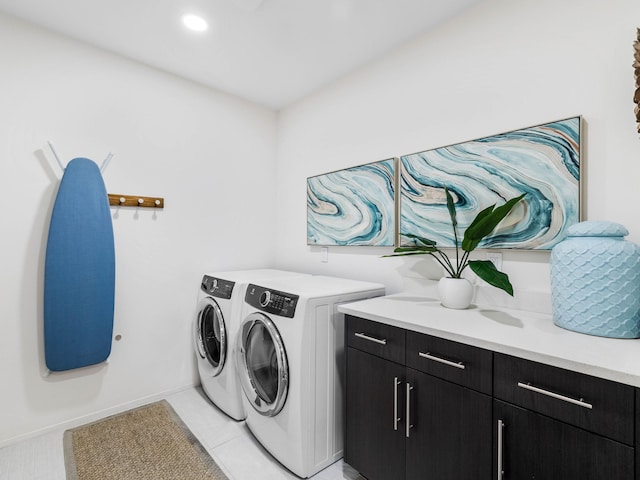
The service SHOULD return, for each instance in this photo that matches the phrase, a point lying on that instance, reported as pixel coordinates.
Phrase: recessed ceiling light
(195, 23)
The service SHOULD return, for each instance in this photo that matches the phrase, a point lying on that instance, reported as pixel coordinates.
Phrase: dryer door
(263, 367)
(211, 334)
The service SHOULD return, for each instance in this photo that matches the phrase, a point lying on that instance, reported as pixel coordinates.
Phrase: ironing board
(79, 279)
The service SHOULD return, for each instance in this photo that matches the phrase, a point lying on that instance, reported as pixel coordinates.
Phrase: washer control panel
(217, 287)
(271, 301)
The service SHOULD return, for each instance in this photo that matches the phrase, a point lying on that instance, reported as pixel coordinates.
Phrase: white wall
(203, 151)
(501, 66)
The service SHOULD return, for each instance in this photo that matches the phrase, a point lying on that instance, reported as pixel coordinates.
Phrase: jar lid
(597, 229)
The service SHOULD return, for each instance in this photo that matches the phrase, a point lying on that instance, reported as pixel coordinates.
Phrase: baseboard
(76, 422)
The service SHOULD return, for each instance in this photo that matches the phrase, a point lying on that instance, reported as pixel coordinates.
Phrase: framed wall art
(354, 206)
(542, 161)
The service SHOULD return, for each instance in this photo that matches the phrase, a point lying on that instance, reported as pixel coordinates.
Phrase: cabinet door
(637, 434)
(375, 444)
(451, 436)
(537, 447)
(637, 392)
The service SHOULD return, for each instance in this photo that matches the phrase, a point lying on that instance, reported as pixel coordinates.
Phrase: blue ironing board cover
(79, 278)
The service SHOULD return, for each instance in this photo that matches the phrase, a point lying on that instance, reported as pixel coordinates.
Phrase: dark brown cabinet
(451, 433)
(637, 434)
(374, 445)
(406, 418)
(423, 407)
(553, 423)
(532, 446)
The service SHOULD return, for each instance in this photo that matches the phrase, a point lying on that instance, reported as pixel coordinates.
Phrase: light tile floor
(229, 442)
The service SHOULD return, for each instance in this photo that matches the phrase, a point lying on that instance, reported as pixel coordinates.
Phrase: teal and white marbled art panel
(354, 206)
(541, 161)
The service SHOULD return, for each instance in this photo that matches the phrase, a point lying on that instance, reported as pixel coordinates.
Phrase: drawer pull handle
(409, 425)
(500, 450)
(580, 402)
(371, 339)
(428, 355)
(396, 419)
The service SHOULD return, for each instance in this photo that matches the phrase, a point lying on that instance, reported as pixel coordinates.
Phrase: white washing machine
(216, 326)
(290, 359)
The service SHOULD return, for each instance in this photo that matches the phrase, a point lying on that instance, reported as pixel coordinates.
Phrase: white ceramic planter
(455, 292)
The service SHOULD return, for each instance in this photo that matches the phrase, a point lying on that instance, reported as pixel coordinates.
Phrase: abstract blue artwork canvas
(355, 206)
(542, 161)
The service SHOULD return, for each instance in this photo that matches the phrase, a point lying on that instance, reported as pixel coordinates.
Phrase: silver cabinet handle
(428, 355)
(580, 402)
(371, 339)
(500, 451)
(408, 412)
(396, 419)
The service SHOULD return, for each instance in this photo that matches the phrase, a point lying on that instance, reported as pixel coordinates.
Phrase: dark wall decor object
(355, 206)
(636, 70)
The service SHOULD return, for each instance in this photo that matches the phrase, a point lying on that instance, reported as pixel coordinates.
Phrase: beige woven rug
(147, 443)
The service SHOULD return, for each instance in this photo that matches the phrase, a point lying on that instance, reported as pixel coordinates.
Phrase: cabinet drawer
(595, 404)
(463, 364)
(385, 341)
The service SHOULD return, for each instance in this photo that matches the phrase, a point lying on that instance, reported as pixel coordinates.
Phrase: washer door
(263, 366)
(211, 334)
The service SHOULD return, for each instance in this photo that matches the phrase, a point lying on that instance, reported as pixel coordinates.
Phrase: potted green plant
(482, 226)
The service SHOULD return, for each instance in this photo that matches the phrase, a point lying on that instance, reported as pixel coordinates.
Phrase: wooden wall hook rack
(135, 201)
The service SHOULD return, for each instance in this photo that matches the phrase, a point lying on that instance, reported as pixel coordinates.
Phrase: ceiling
(272, 52)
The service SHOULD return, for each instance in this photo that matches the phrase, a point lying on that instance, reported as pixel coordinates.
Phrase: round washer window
(262, 363)
(212, 334)
(264, 371)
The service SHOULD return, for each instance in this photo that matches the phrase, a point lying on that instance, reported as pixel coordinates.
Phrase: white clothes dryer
(290, 360)
(215, 329)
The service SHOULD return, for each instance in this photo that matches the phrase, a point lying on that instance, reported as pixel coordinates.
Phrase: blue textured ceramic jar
(595, 281)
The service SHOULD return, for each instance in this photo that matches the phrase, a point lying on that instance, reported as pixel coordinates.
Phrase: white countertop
(523, 334)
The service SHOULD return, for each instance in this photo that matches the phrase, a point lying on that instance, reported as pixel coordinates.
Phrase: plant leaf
(423, 240)
(485, 222)
(415, 248)
(468, 241)
(404, 254)
(452, 208)
(488, 272)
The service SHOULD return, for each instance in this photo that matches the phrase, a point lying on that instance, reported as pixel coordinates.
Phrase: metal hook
(105, 162)
(104, 165)
(56, 155)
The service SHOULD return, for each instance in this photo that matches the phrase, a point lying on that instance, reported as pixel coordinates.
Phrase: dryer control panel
(217, 287)
(271, 301)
